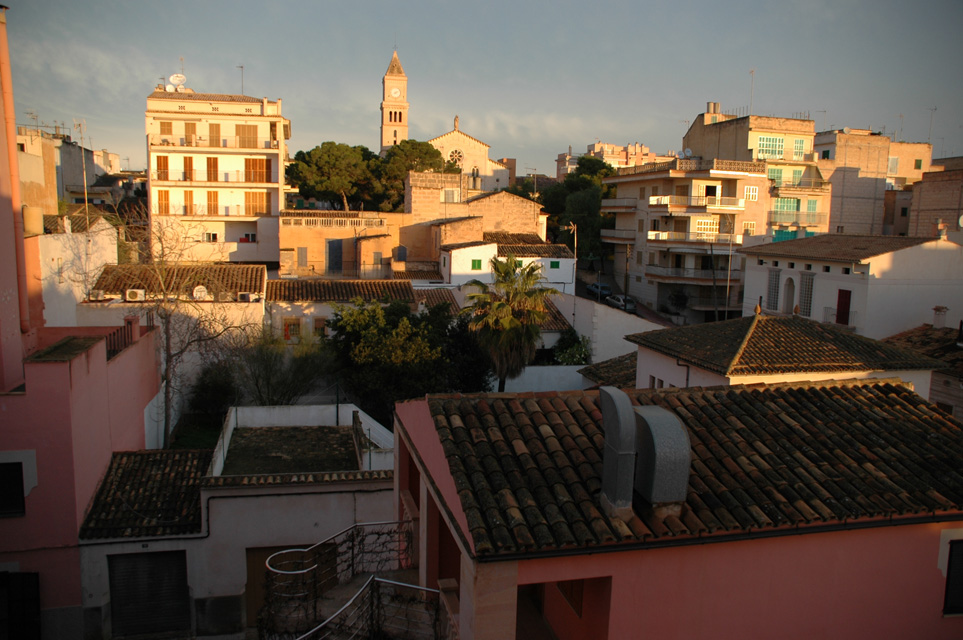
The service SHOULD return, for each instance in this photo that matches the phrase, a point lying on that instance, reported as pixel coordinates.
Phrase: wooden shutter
(214, 131)
(188, 168)
(149, 593)
(212, 204)
(212, 169)
(162, 168)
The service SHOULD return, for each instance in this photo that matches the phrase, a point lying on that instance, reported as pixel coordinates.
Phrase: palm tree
(507, 313)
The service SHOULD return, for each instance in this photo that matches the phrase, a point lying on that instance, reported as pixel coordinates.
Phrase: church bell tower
(394, 105)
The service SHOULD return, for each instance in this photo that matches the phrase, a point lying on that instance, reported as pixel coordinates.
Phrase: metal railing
(697, 201)
(225, 142)
(240, 175)
(297, 580)
(832, 316)
(293, 221)
(119, 339)
(699, 236)
(802, 218)
(701, 274)
(801, 183)
(694, 164)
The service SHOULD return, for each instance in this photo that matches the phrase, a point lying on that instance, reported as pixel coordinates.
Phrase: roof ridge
(742, 346)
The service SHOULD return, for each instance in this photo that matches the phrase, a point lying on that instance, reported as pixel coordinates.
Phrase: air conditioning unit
(247, 297)
(96, 294)
(225, 296)
(135, 295)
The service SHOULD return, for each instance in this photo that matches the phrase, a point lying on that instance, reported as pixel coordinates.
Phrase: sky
(530, 78)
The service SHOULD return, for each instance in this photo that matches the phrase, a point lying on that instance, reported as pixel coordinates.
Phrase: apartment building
(677, 226)
(864, 167)
(615, 155)
(216, 164)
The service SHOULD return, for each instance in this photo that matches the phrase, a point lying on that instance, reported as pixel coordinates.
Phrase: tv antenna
(241, 67)
(932, 113)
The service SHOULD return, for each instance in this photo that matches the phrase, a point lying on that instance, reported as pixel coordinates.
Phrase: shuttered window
(246, 136)
(162, 168)
(212, 203)
(163, 201)
(212, 169)
(149, 593)
(255, 203)
(214, 131)
(772, 292)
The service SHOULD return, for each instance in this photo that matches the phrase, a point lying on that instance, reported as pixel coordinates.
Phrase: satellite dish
(199, 293)
(688, 152)
(181, 89)
(846, 130)
(679, 154)
(178, 78)
(960, 222)
(169, 88)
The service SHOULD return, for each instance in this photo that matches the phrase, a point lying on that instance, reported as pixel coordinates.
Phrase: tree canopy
(506, 315)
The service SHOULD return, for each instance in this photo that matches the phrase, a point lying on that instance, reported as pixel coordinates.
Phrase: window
(190, 133)
(249, 237)
(797, 176)
(210, 237)
(553, 264)
(826, 268)
(188, 168)
(798, 149)
(188, 203)
(748, 228)
(806, 293)
(953, 597)
(641, 193)
(162, 166)
(255, 203)
(655, 190)
(641, 226)
(825, 154)
(163, 201)
(449, 195)
(785, 204)
(476, 265)
(839, 228)
(751, 194)
(811, 205)
(167, 128)
(11, 490)
(846, 271)
(707, 225)
(808, 267)
(292, 329)
(775, 174)
(792, 265)
(892, 166)
(772, 293)
(770, 147)
(775, 263)
(903, 212)
(918, 164)
(639, 257)
(319, 327)
(212, 203)
(212, 169)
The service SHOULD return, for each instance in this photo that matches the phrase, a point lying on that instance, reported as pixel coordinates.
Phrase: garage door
(148, 593)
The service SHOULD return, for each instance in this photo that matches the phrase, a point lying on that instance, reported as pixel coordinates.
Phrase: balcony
(212, 178)
(699, 236)
(798, 218)
(705, 203)
(693, 164)
(619, 236)
(620, 205)
(201, 211)
(204, 142)
(788, 155)
(657, 272)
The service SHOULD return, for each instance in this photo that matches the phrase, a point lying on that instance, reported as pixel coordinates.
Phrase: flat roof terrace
(294, 449)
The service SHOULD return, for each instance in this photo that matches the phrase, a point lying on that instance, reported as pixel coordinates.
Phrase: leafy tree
(272, 373)
(334, 172)
(408, 155)
(506, 315)
(578, 199)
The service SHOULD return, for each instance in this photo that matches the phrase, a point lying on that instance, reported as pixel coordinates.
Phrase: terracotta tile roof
(554, 320)
(433, 297)
(761, 344)
(502, 237)
(148, 493)
(217, 278)
(78, 222)
(535, 250)
(942, 344)
(835, 247)
(615, 372)
(766, 460)
(303, 290)
(205, 97)
(417, 275)
(464, 245)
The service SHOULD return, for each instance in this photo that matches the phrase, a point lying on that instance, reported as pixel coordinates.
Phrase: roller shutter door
(149, 593)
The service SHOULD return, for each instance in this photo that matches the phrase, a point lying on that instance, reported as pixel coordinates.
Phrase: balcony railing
(682, 236)
(801, 218)
(697, 201)
(620, 204)
(226, 142)
(619, 236)
(788, 155)
(695, 274)
(292, 221)
(241, 175)
(832, 316)
(225, 210)
(801, 183)
(297, 580)
(694, 164)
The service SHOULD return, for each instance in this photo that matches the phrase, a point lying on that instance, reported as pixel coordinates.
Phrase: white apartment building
(216, 174)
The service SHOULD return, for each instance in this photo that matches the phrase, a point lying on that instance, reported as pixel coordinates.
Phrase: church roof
(394, 67)
(461, 133)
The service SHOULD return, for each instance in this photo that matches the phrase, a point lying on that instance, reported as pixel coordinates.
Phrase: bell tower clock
(394, 105)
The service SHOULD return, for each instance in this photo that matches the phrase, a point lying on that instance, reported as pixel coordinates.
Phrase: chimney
(939, 316)
(647, 450)
(710, 106)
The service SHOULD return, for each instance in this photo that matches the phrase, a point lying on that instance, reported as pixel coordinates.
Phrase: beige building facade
(614, 155)
(216, 172)
(937, 204)
(863, 167)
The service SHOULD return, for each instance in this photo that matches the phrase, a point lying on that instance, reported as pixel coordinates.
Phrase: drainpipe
(10, 124)
(679, 363)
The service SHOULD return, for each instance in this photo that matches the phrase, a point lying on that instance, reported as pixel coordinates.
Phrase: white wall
(550, 378)
(69, 266)
(606, 327)
(459, 270)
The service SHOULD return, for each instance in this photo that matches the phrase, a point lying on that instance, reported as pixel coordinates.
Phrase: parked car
(599, 290)
(624, 303)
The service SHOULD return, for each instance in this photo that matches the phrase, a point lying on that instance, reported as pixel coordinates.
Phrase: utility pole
(900, 127)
